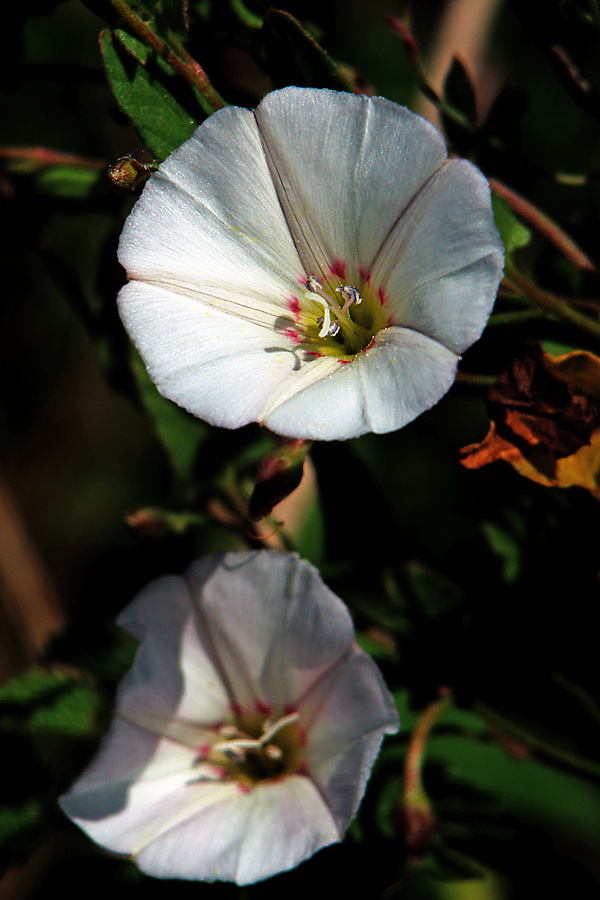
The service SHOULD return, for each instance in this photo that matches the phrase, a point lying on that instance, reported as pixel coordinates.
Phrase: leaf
(549, 427)
(68, 181)
(53, 700)
(459, 90)
(512, 231)
(180, 433)
(295, 57)
(145, 90)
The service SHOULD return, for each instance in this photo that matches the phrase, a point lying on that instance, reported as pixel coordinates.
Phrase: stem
(473, 379)
(561, 306)
(512, 318)
(544, 225)
(43, 157)
(568, 760)
(415, 756)
(176, 57)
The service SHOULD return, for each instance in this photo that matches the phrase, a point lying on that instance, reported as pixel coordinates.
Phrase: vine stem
(43, 157)
(560, 306)
(544, 225)
(181, 61)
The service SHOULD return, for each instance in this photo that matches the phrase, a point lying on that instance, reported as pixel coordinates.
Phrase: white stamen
(327, 315)
(236, 749)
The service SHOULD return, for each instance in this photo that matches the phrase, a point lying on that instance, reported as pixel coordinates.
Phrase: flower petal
(442, 263)
(345, 167)
(210, 217)
(275, 627)
(220, 368)
(248, 838)
(172, 675)
(347, 714)
(137, 787)
(396, 379)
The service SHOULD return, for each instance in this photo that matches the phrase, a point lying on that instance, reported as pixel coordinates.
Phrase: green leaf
(295, 57)
(53, 700)
(68, 181)
(459, 90)
(146, 91)
(180, 433)
(20, 830)
(512, 231)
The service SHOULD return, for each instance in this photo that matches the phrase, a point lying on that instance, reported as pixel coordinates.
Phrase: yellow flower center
(257, 749)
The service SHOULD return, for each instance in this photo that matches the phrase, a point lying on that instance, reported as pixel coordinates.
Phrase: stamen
(350, 295)
(325, 320)
(236, 749)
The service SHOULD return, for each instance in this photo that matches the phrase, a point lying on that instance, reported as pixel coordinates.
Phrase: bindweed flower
(317, 265)
(246, 729)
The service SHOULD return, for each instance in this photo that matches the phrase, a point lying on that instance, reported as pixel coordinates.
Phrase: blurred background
(479, 581)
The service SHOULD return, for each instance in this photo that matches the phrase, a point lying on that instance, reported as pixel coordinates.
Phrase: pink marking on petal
(292, 335)
(313, 353)
(204, 750)
(219, 772)
(383, 297)
(289, 708)
(371, 344)
(236, 709)
(338, 268)
(302, 768)
(364, 274)
(294, 307)
(243, 788)
(263, 708)
(344, 362)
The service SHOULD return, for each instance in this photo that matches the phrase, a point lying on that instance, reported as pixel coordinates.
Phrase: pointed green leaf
(512, 231)
(146, 91)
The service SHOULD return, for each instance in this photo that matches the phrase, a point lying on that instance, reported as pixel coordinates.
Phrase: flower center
(333, 318)
(259, 749)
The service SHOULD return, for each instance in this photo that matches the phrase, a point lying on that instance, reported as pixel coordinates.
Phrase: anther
(273, 752)
(313, 284)
(350, 295)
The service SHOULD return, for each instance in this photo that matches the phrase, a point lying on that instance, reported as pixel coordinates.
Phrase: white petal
(275, 627)
(442, 263)
(221, 368)
(172, 674)
(249, 837)
(345, 167)
(347, 714)
(138, 787)
(211, 218)
(400, 376)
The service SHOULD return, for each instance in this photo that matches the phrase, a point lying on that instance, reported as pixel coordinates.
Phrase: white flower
(246, 729)
(316, 265)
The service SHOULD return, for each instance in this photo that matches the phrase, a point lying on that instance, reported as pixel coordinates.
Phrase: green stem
(568, 760)
(560, 306)
(473, 379)
(513, 318)
(176, 56)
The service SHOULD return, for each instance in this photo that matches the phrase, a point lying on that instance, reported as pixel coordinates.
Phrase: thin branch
(544, 225)
(560, 306)
(176, 56)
